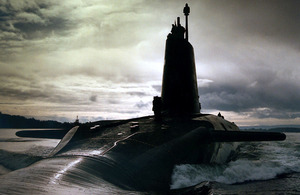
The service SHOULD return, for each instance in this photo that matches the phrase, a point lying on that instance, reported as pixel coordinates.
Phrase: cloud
(105, 58)
(270, 94)
(264, 113)
(142, 105)
(93, 98)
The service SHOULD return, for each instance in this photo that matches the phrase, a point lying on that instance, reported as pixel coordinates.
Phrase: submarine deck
(99, 137)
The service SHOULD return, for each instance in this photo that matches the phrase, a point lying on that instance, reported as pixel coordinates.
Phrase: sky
(103, 59)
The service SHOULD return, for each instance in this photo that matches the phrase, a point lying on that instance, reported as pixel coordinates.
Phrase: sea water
(17, 152)
(258, 167)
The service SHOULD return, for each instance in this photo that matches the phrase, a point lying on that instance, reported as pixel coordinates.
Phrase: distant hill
(270, 126)
(285, 129)
(13, 121)
(274, 129)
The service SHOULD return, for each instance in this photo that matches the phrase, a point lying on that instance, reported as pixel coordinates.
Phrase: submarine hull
(114, 159)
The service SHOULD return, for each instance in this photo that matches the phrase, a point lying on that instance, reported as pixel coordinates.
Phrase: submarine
(137, 156)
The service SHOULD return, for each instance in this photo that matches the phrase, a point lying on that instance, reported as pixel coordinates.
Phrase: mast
(186, 11)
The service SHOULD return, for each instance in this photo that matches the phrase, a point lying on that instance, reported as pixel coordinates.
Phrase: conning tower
(179, 87)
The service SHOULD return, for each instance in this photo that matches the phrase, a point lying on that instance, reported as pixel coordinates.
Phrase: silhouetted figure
(76, 121)
(220, 115)
(157, 106)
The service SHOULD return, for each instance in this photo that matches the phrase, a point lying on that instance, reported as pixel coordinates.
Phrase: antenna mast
(186, 11)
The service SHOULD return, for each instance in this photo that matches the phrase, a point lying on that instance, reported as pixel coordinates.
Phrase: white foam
(274, 158)
(235, 172)
(188, 175)
(245, 170)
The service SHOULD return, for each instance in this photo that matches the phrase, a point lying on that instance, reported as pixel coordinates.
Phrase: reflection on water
(10, 142)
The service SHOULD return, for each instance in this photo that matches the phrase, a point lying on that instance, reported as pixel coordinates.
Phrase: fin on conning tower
(179, 88)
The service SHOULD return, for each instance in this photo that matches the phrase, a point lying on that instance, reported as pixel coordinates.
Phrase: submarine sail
(179, 87)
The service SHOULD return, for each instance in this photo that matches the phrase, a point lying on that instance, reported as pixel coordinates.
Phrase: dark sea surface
(258, 167)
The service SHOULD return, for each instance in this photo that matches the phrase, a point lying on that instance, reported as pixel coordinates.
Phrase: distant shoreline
(278, 129)
(20, 122)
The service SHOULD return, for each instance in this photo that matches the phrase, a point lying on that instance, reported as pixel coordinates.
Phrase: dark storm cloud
(29, 20)
(22, 94)
(250, 50)
(278, 20)
(268, 98)
(38, 93)
(38, 30)
(270, 19)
